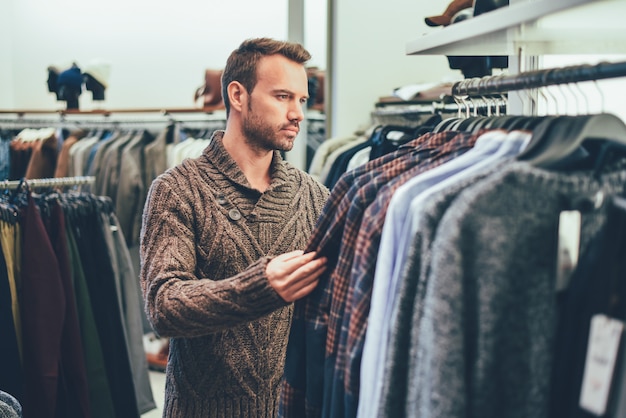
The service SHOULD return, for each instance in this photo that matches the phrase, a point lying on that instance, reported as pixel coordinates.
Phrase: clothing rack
(81, 117)
(105, 112)
(48, 182)
(98, 122)
(156, 121)
(417, 111)
(421, 108)
(540, 78)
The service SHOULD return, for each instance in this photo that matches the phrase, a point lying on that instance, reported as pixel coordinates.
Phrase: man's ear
(237, 94)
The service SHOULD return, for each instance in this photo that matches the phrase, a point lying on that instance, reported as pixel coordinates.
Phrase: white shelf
(541, 27)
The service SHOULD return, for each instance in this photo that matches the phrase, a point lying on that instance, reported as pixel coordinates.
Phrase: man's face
(271, 119)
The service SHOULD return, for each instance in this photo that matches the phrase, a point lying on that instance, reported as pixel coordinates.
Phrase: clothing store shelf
(540, 27)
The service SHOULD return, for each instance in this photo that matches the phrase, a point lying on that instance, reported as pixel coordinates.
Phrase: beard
(264, 136)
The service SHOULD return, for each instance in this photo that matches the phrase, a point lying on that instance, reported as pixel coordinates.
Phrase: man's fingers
(305, 279)
(314, 267)
(300, 293)
(310, 272)
(295, 274)
(290, 262)
(290, 255)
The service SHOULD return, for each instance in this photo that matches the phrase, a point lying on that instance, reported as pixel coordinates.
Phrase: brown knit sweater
(205, 242)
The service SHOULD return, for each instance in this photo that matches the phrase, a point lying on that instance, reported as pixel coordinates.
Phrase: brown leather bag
(211, 90)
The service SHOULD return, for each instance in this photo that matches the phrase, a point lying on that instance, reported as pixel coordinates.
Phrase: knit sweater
(482, 343)
(206, 239)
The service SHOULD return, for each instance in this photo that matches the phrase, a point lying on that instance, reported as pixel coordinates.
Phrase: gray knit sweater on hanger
(208, 236)
(482, 344)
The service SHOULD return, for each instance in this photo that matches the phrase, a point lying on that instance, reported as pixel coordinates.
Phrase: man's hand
(294, 275)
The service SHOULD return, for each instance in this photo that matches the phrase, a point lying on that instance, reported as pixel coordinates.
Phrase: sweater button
(234, 214)
(221, 200)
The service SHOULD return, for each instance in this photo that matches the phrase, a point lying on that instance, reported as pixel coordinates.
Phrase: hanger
(449, 123)
(483, 124)
(572, 141)
(476, 125)
(532, 122)
(9, 213)
(387, 137)
(463, 124)
(445, 124)
(19, 196)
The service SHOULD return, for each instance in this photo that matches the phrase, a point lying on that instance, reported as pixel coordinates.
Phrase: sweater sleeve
(177, 302)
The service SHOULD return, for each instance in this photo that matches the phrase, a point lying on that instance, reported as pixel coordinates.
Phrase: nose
(296, 113)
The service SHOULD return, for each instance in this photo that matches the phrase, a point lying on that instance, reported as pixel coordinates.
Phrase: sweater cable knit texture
(209, 236)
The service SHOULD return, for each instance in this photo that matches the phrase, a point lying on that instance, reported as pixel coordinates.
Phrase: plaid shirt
(360, 280)
(314, 374)
(299, 389)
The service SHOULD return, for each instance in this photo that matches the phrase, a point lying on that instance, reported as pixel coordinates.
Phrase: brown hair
(242, 62)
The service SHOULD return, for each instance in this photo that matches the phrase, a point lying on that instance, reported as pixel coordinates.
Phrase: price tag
(568, 247)
(602, 348)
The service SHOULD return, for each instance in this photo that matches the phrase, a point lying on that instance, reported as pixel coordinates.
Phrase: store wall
(6, 54)
(157, 49)
(368, 58)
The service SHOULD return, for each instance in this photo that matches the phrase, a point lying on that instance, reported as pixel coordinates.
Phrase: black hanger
(498, 122)
(9, 212)
(428, 125)
(574, 141)
(482, 124)
(476, 124)
(19, 196)
(467, 124)
(518, 123)
(444, 124)
(395, 133)
(512, 122)
(459, 124)
(532, 122)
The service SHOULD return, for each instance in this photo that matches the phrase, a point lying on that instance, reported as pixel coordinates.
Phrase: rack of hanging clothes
(70, 315)
(392, 124)
(466, 268)
(124, 149)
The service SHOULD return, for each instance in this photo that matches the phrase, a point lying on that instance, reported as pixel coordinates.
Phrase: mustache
(294, 124)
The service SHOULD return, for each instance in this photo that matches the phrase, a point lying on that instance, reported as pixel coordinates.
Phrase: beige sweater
(206, 239)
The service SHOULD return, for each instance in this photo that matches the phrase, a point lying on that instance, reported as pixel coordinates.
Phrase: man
(222, 239)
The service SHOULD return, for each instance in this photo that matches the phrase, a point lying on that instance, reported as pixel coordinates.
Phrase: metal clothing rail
(137, 122)
(499, 84)
(421, 108)
(48, 182)
(149, 119)
(87, 122)
(108, 112)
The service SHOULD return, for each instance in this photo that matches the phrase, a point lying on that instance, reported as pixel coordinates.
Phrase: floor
(157, 380)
